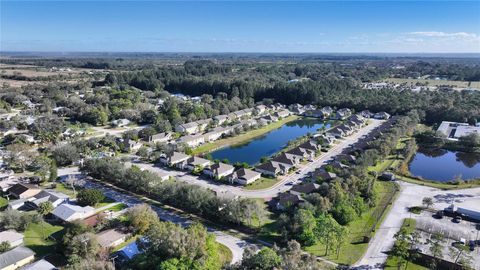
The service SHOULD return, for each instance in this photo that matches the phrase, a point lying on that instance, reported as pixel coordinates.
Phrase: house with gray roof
(219, 170)
(188, 128)
(273, 168)
(70, 212)
(245, 176)
(56, 198)
(39, 265)
(16, 258)
(197, 162)
(160, 138)
(176, 159)
(12, 237)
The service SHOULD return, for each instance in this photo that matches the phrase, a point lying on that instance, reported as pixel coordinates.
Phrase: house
(8, 182)
(188, 128)
(287, 158)
(315, 113)
(120, 122)
(69, 212)
(16, 258)
(345, 158)
(381, 115)
(176, 159)
(296, 108)
(128, 252)
(219, 170)
(366, 114)
(327, 111)
(202, 124)
(197, 162)
(12, 237)
(322, 175)
(272, 168)
(304, 188)
(111, 238)
(304, 153)
(245, 176)
(310, 145)
(337, 132)
(270, 118)
(23, 191)
(220, 119)
(243, 113)
(217, 133)
(231, 116)
(131, 145)
(287, 200)
(192, 140)
(56, 198)
(260, 109)
(160, 138)
(16, 204)
(343, 113)
(282, 113)
(40, 265)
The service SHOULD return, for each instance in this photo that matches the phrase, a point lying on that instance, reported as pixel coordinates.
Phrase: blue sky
(149, 26)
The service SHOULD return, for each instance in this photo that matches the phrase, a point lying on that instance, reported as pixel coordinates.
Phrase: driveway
(410, 195)
(236, 245)
(280, 186)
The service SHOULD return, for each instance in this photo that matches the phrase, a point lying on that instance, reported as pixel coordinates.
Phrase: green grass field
(262, 183)
(225, 254)
(117, 208)
(34, 237)
(353, 251)
(242, 137)
(3, 202)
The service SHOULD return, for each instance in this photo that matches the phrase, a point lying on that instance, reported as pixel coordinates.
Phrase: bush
(90, 197)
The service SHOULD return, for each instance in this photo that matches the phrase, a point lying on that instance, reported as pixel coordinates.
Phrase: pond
(270, 143)
(443, 165)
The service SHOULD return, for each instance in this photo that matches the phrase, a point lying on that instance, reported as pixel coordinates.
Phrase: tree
(44, 208)
(436, 248)
(5, 246)
(90, 197)
(427, 202)
(401, 248)
(265, 259)
(65, 155)
(45, 168)
(91, 264)
(141, 217)
(73, 182)
(19, 156)
(82, 246)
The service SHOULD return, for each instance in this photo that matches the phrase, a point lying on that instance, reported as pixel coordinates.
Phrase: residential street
(279, 187)
(235, 244)
(410, 195)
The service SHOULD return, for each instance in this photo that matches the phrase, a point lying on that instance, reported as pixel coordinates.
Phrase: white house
(175, 159)
(160, 138)
(192, 140)
(12, 237)
(188, 128)
(69, 212)
(197, 162)
(219, 170)
(245, 176)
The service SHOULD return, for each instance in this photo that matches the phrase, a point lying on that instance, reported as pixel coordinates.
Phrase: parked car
(472, 245)
(439, 214)
(457, 219)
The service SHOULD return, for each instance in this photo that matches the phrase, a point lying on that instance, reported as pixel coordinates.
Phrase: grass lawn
(242, 137)
(354, 249)
(35, 241)
(261, 183)
(117, 208)
(3, 202)
(60, 187)
(105, 202)
(124, 244)
(440, 185)
(225, 254)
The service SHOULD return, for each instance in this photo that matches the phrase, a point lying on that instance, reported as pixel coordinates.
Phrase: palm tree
(44, 209)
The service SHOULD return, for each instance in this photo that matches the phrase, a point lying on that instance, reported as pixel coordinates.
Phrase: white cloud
(438, 34)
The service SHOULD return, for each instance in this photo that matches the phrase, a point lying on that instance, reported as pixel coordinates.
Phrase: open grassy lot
(60, 187)
(354, 248)
(3, 202)
(117, 208)
(225, 254)
(242, 137)
(34, 237)
(262, 183)
(105, 202)
(459, 84)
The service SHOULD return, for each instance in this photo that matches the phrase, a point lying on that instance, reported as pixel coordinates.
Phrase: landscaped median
(242, 137)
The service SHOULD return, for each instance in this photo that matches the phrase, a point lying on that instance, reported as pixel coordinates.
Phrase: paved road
(410, 195)
(278, 187)
(235, 244)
